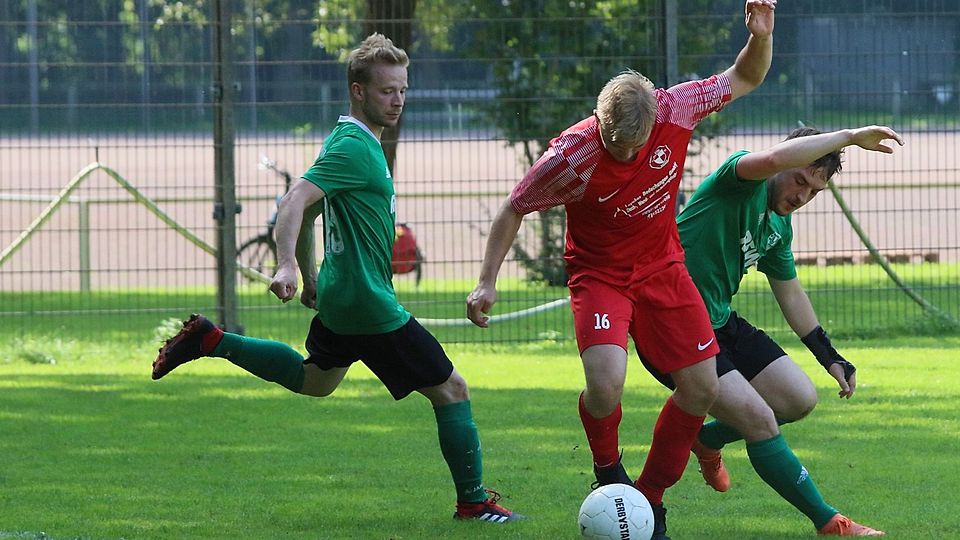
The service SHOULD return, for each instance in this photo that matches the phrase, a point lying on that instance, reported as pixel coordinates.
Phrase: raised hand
(759, 16)
(872, 137)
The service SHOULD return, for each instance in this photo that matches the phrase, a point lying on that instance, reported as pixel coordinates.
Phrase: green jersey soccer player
(739, 218)
(358, 316)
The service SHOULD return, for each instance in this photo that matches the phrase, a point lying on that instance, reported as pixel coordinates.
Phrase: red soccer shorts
(663, 313)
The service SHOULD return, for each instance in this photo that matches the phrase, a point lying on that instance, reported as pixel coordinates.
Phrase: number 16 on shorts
(601, 321)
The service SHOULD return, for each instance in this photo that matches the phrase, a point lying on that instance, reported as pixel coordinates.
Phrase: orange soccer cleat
(711, 466)
(841, 525)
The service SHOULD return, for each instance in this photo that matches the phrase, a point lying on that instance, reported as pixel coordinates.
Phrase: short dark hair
(831, 163)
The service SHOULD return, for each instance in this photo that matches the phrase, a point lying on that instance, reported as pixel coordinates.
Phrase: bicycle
(260, 252)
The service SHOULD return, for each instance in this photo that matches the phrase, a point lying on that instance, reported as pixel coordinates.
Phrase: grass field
(92, 448)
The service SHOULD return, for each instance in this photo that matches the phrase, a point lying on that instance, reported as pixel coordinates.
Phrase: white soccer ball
(616, 512)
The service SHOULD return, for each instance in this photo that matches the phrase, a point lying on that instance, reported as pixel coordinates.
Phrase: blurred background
(143, 145)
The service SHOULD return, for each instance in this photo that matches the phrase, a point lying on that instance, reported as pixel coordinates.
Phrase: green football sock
(270, 360)
(779, 467)
(460, 445)
(716, 434)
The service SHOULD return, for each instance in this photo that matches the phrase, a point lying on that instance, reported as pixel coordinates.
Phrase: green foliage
(38, 357)
(549, 60)
(176, 36)
(167, 328)
(338, 29)
(169, 33)
(46, 350)
(933, 324)
(546, 265)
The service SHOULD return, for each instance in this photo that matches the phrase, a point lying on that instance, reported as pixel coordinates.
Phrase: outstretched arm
(753, 62)
(303, 195)
(798, 311)
(503, 232)
(802, 151)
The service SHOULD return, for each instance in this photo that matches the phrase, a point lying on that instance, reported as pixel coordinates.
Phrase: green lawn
(92, 448)
(853, 301)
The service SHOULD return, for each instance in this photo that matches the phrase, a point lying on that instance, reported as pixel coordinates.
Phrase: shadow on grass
(202, 456)
(225, 456)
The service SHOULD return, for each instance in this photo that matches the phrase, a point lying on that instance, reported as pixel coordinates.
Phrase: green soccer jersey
(355, 292)
(725, 229)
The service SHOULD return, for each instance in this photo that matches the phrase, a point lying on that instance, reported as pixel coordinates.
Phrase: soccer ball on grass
(616, 512)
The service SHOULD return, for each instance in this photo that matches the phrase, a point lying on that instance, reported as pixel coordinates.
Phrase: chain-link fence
(112, 180)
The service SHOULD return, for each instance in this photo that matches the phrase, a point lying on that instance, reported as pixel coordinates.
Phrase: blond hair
(627, 107)
(376, 49)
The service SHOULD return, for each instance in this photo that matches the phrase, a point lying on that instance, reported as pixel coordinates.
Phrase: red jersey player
(617, 173)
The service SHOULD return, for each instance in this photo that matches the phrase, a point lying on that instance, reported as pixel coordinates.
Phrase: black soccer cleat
(614, 474)
(196, 339)
(659, 522)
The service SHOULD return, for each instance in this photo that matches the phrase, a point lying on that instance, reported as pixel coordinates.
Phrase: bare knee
(696, 399)
(758, 423)
(696, 390)
(787, 389)
(456, 388)
(316, 391)
(453, 390)
(741, 407)
(799, 407)
(605, 369)
(602, 397)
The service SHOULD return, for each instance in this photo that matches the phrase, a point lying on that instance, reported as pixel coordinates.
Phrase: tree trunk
(394, 19)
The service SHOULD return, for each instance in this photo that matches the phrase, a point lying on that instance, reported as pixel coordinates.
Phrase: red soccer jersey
(621, 216)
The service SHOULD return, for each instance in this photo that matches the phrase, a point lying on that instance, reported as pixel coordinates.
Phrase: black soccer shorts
(743, 347)
(405, 360)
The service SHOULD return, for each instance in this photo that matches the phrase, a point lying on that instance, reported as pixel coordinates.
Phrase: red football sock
(669, 452)
(602, 435)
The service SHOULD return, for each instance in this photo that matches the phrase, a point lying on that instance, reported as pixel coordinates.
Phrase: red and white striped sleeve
(687, 103)
(560, 176)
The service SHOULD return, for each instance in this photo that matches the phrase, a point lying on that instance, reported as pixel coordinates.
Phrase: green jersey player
(739, 218)
(358, 316)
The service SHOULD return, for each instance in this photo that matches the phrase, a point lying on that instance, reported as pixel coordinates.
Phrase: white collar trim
(353, 120)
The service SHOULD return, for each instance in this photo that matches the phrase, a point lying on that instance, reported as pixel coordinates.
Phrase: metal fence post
(84, 233)
(225, 197)
(34, 66)
(670, 48)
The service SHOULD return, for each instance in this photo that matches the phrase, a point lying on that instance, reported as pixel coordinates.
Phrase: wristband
(819, 344)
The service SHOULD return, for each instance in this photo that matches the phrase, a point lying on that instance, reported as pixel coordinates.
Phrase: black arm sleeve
(819, 344)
